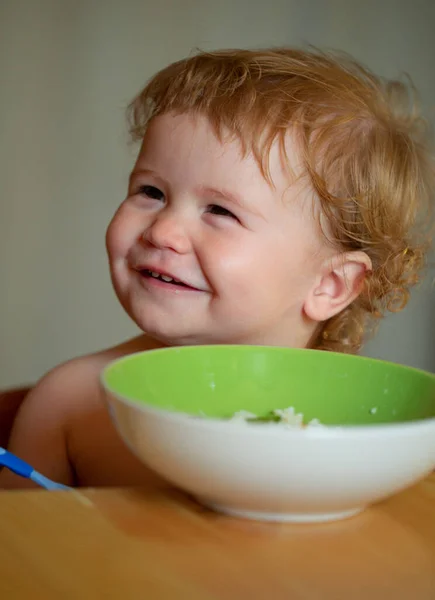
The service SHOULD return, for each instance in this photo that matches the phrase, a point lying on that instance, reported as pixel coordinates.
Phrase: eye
(151, 192)
(215, 209)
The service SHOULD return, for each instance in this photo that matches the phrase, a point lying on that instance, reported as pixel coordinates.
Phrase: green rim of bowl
(217, 381)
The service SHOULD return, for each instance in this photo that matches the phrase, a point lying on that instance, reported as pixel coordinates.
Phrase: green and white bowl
(377, 433)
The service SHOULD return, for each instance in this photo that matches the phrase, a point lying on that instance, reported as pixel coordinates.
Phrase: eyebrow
(137, 172)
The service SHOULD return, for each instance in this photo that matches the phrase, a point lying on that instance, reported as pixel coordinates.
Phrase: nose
(168, 231)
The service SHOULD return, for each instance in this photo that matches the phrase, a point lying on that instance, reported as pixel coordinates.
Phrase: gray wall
(67, 70)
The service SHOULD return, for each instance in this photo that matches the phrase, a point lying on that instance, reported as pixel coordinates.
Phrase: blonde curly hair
(365, 151)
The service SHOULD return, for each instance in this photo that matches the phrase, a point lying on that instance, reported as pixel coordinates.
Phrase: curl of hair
(366, 154)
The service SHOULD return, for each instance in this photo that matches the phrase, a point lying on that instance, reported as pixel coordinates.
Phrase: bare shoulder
(63, 428)
(75, 383)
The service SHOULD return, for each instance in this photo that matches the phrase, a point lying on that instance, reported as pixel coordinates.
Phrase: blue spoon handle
(20, 467)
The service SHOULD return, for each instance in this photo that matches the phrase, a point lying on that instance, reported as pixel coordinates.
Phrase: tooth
(166, 278)
(154, 274)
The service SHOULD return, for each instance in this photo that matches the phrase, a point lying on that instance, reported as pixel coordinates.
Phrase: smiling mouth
(154, 275)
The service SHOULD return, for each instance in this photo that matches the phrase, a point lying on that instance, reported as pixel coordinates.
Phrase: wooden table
(131, 544)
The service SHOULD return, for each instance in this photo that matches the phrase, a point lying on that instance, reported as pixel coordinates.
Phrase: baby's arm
(39, 435)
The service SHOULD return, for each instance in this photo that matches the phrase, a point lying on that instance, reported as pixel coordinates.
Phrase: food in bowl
(282, 416)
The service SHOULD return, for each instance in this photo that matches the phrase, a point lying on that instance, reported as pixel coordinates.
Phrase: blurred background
(67, 71)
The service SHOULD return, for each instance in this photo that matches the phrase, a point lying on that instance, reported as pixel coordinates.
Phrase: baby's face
(245, 254)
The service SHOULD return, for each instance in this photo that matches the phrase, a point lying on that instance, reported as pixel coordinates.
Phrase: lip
(185, 287)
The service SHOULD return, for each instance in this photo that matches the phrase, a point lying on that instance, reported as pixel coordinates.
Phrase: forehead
(190, 141)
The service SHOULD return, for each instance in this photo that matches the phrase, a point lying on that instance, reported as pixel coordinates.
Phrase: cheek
(121, 233)
(264, 267)
(234, 262)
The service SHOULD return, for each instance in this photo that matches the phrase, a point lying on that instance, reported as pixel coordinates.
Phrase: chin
(166, 336)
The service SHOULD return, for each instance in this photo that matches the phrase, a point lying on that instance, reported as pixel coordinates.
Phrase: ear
(339, 283)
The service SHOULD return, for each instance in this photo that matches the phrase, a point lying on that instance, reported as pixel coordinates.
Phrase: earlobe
(340, 282)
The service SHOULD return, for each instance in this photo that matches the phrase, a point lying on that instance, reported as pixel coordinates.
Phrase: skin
(255, 269)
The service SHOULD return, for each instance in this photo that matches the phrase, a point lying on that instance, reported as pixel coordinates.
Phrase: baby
(279, 197)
